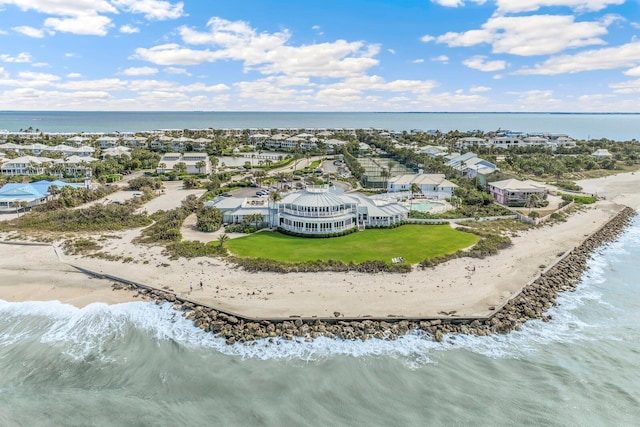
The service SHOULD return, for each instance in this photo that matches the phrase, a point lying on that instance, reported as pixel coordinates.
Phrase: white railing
(316, 214)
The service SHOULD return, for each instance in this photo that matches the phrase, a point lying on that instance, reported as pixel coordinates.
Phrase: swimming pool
(426, 206)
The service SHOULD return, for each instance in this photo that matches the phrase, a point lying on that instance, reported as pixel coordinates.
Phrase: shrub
(209, 218)
(137, 184)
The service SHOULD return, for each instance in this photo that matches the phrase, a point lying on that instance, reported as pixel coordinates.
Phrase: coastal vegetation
(110, 217)
(71, 197)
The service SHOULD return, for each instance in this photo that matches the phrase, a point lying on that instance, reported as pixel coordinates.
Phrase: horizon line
(321, 112)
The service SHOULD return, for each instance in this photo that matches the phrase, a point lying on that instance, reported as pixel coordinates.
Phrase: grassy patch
(80, 246)
(505, 227)
(412, 242)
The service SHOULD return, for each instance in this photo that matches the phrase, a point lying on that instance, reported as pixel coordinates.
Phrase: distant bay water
(618, 127)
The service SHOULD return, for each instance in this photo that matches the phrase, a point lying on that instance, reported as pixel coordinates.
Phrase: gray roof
(313, 197)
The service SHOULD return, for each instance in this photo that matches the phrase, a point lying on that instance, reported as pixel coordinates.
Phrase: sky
(320, 55)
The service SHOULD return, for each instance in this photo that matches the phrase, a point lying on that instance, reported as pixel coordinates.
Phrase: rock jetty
(531, 303)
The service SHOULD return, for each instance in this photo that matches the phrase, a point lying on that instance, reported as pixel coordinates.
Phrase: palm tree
(532, 201)
(385, 174)
(200, 165)
(415, 189)
(222, 239)
(214, 163)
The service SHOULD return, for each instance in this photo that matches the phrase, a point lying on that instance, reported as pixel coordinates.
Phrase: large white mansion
(315, 211)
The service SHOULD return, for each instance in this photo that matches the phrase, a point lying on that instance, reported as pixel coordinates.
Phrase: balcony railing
(317, 214)
(308, 231)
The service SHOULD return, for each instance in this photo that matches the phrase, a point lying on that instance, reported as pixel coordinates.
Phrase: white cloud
(140, 71)
(516, 6)
(479, 62)
(418, 61)
(265, 52)
(449, 3)
(479, 89)
(30, 79)
(528, 35)
(29, 31)
(177, 70)
(129, 29)
(173, 54)
(391, 51)
(3, 73)
(626, 55)
(631, 86)
(455, 3)
(90, 24)
(74, 75)
(442, 58)
(32, 75)
(93, 85)
(633, 72)
(3, 33)
(152, 9)
(201, 87)
(535, 100)
(22, 57)
(63, 8)
(40, 64)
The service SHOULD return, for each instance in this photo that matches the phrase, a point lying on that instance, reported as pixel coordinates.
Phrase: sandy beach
(39, 273)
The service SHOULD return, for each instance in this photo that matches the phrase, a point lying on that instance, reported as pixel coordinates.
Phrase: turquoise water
(425, 206)
(581, 126)
(130, 364)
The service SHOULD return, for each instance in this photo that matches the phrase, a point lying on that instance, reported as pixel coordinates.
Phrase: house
(14, 194)
(77, 165)
(116, 152)
(455, 159)
(470, 141)
(196, 163)
(77, 141)
(470, 165)
(432, 150)
(135, 141)
(513, 192)
(506, 142)
(476, 166)
(108, 142)
(85, 151)
(316, 210)
(26, 165)
(601, 153)
(432, 186)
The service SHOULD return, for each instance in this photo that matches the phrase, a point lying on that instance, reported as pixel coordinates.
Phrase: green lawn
(412, 242)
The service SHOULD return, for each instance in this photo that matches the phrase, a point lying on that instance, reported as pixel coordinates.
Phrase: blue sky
(320, 55)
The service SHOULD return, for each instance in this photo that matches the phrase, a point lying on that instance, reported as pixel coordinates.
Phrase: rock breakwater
(531, 303)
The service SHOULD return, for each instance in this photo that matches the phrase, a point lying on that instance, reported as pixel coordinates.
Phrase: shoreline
(450, 291)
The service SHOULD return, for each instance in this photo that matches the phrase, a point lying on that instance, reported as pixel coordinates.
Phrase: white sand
(449, 287)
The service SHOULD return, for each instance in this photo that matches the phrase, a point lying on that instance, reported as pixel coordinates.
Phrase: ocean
(134, 364)
(618, 127)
